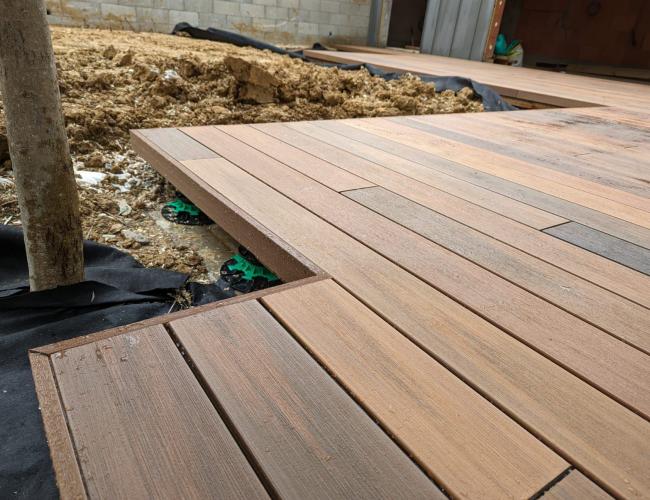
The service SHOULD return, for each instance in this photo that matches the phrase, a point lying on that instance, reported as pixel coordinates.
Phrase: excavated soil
(113, 81)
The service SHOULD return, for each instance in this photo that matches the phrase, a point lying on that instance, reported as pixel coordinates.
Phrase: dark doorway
(406, 22)
(601, 37)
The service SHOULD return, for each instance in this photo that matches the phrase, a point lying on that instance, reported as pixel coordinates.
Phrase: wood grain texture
(594, 431)
(177, 144)
(64, 459)
(525, 195)
(553, 159)
(605, 273)
(274, 253)
(605, 245)
(546, 148)
(575, 486)
(593, 195)
(502, 205)
(453, 433)
(564, 338)
(307, 435)
(142, 425)
(319, 170)
(619, 317)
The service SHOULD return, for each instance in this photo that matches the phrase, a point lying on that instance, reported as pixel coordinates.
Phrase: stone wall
(279, 21)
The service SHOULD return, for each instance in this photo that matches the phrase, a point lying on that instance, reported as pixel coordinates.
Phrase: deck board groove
(310, 439)
(528, 385)
(602, 272)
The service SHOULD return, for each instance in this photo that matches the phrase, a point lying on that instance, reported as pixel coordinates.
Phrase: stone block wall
(279, 21)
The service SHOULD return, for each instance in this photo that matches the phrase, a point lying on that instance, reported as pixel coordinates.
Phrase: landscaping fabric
(117, 291)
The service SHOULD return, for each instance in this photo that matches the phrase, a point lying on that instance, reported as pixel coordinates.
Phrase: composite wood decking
(466, 314)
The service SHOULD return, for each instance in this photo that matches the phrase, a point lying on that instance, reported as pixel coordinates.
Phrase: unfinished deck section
(468, 314)
(518, 84)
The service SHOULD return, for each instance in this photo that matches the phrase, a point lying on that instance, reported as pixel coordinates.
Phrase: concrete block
(340, 20)
(82, 9)
(198, 5)
(226, 8)
(308, 28)
(329, 6)
(292, 4)
(145, 25)
(136, 3)
(276, 13)
(271, 3)
(288, 27)
(359, 21)
(181, 16)
(118, 13)
(319, 17)
(252, 10)
(261, 24)
(310, 5)
(168, 4)
(240, 23)
(156, 16)
(327, 30)
(207, 20)
(163, 27)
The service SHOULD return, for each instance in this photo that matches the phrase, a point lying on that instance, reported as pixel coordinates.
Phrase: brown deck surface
(443, 337)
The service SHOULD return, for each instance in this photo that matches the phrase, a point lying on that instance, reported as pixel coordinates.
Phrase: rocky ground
(113, 81)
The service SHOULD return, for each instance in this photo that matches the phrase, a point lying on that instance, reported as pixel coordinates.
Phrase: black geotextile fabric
(117, 291)
(492, 101)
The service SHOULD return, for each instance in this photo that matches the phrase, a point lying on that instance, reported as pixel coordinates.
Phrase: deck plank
(455, 435)
(142, 425)
(538, 148)
(597, 357)
(340, 135)
(605, 245)
(575, 487)
(307, 435)
(608, 311)
(593, 430)
(531, 216)
(609, 275)
(177, 144)
(593, 195)
(620, 317)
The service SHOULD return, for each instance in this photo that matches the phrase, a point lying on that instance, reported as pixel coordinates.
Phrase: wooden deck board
(306, 434)
(339, 136)
(609, 275)
(143, 427)
(575, 486)
(590, 194)
(627, 254)
(459, 438)
(542, 148)
(531, 216)
(549, 400)
(591, 303)
(494, 356)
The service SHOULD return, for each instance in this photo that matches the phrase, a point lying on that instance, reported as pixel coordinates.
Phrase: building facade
(279, 21)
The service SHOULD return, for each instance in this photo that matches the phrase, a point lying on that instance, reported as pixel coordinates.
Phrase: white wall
(279, 21)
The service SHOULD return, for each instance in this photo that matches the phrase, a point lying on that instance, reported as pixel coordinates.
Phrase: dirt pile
(113, 81)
